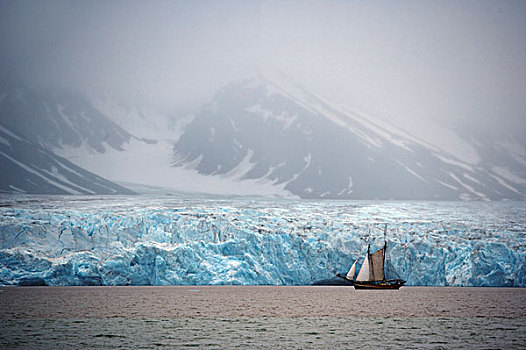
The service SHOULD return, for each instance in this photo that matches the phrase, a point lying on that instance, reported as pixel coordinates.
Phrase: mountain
(30, 168)
(33, 123)
(265, 137)
(141, 120)
(61, 126)
(55, 118)
(275, 131)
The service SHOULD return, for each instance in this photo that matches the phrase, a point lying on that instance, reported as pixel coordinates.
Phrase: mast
(385, 247)
(370, 276)
(370, 262)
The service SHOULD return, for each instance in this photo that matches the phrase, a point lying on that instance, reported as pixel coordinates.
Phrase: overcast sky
(453, 62)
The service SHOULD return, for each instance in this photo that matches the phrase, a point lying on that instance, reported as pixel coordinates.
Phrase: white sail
(352, 271)
(363, 275)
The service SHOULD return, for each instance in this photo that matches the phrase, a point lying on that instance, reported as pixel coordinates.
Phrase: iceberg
(134, 240)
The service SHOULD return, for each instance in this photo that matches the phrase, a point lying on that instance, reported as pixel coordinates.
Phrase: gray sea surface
(261, 317)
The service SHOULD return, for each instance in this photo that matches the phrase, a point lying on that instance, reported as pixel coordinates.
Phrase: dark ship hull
(345, 278)
(389, 284)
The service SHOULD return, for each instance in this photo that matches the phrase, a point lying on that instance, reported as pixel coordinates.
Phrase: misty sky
(461, 63)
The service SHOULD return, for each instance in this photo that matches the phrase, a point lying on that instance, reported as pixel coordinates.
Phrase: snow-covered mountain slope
(261, 137)
(33, 123)
(56, 118)
(142, 121)
(30, 168)
(276, 131)
(42, 127)
(144, 162)
(147, 168)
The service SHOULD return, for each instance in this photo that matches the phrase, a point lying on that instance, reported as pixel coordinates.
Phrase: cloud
(458, 63)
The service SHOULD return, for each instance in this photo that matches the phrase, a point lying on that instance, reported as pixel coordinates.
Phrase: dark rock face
(56, 118)
(32, 123)
(30, 168)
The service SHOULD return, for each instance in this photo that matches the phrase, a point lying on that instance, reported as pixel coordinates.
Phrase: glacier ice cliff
(173, 241)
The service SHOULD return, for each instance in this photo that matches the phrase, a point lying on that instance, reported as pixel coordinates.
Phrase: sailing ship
(372, 273)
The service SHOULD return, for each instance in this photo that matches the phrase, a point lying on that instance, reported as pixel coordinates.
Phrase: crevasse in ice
(146, 241)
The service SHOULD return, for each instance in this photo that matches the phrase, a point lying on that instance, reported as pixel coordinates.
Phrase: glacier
(141, 240)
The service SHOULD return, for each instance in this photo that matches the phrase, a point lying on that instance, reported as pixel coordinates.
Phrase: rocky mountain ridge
(260, 129)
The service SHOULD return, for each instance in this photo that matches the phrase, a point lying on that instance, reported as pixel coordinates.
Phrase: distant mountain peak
(266, 135)
(270, 125)
(34, 123)
(55, 118)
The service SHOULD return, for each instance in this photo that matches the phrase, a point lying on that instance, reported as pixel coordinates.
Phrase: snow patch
(412, 172)
(33, 171)
(468, 187)
(8, 132)
(57, 175)
(234, 126)
(149, 165)
(307, 160)
(455, 162)
(283, 117)
(242, 168)
(66, 118)
(503, 183)
(347, 189)
(448, 186)
(508, 175)
(471, 178)
(16, 189)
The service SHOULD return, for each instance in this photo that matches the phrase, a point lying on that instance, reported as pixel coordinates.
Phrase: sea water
(261, 317)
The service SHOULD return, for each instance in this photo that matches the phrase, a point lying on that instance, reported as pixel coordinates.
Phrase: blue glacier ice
(134, 240)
